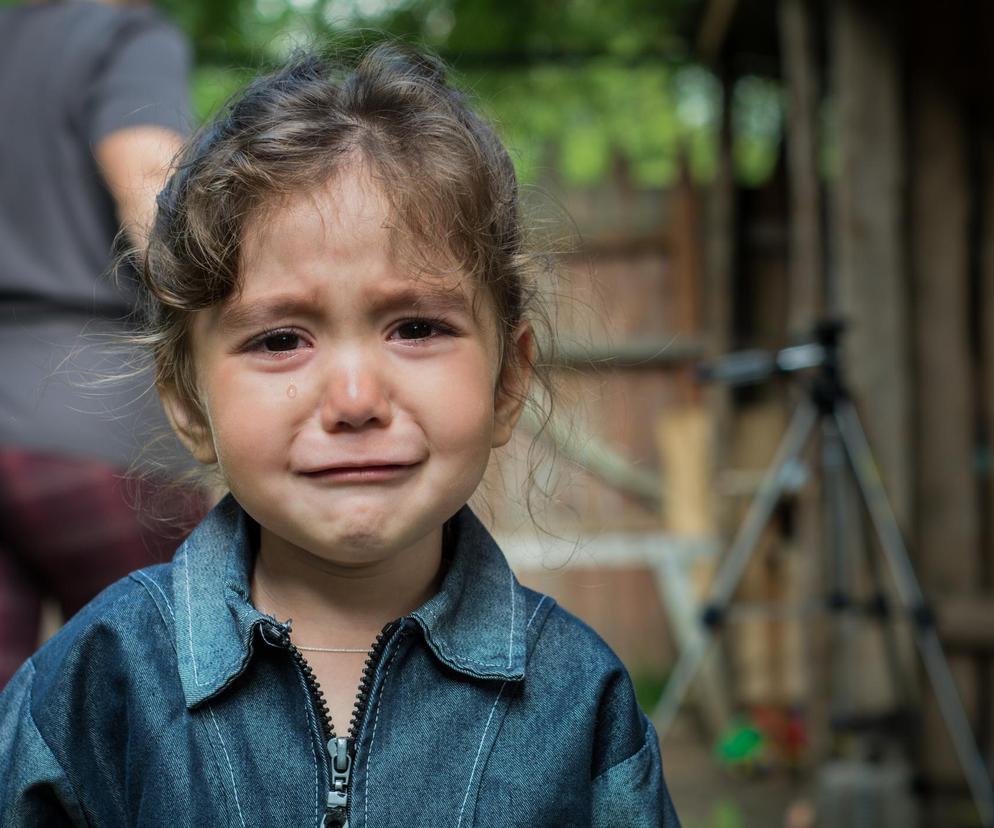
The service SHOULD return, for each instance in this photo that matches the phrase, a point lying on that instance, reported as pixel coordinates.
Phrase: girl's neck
(342, 605)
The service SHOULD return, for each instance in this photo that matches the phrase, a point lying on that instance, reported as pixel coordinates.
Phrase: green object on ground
(741, 744)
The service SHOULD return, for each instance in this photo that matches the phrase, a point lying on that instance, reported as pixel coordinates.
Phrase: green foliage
(757, 124)
(649, 688)
(624, 28)
(584, 123)
(579, 88)
(213, 85)
(603, 84)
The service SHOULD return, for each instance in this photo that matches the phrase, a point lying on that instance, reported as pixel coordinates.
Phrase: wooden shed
(881, 213)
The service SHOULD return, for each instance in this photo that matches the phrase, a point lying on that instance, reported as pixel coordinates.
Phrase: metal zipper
(336, 811)
(341, 750)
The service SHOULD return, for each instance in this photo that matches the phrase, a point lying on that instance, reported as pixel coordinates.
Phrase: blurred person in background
(95, 104)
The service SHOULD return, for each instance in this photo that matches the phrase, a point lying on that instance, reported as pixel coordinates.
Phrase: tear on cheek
(291, 390)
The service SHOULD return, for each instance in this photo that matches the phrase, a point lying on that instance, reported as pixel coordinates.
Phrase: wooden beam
(947, 519)
(966, 622)
(805, 286)
(720, 244)
(596, 456)
(684, 440)
(983, 104)
(714, 28)
(870, 285)
(868, 288)
(946, 503)
(806, 642)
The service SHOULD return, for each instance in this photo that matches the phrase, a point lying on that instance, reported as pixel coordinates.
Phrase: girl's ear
(513, 383)
(188, 425)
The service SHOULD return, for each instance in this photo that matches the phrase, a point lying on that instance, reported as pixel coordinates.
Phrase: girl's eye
(279, 341)
(419, 329)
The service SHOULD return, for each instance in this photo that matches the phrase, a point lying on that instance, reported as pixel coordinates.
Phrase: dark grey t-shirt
(71, 73)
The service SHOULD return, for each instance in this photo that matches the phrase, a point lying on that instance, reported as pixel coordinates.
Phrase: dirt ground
(707, 796)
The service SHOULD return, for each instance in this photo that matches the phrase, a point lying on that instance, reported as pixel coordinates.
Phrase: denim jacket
(171, 700)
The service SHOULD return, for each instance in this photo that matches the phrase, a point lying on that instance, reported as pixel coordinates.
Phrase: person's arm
(34, 789)
(136, 114)
(633, 792)
(135, 163)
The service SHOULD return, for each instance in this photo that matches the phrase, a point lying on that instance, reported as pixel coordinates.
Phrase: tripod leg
(840, 542)
(903, 686)
(843, 630)
(911, 597)
(730, 572)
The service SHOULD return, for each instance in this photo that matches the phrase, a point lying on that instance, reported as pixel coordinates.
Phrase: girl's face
(352, 406)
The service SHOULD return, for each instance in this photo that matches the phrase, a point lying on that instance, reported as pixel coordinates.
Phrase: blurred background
(714, 176)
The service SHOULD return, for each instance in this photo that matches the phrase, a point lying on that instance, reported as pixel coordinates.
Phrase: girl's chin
(356, 539)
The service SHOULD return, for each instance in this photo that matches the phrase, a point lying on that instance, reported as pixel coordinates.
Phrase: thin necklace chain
(301, 647)
(331, 649)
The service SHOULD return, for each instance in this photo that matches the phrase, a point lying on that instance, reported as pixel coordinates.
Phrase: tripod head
(754, 366)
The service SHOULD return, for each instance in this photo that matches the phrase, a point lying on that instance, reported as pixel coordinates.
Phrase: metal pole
(909, 591)
(730, 571)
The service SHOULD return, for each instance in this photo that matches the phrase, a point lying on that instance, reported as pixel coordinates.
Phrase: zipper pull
(336, 813)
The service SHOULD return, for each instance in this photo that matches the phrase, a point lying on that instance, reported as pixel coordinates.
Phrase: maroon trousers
(67, 530)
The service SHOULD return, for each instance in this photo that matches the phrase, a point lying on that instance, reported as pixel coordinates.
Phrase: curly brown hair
(448, 179)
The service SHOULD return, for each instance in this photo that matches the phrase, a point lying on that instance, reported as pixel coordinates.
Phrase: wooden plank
(806, 645)
(684, 298)
(757, 641)
(869, 289)
(717, 20)
(683, 436)
(686, 246)
(601, 550)
(805, 287)
(684, 439)
(984, 138)
(966, 622)
(947, 519)
(721, 233)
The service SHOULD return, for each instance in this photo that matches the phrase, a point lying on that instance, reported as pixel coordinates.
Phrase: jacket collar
(475, 623)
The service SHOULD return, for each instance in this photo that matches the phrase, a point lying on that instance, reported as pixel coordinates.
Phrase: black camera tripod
(829, 406)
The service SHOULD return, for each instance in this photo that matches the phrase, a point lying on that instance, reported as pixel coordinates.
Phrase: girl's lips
(367, 473)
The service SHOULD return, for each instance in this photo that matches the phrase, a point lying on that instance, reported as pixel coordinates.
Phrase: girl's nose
(356, 394)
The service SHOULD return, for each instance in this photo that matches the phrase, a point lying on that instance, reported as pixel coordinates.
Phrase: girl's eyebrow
(257, 313)
(235, 318)
(439, 298)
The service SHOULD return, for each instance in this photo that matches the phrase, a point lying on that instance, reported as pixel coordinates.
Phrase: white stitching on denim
(539, 604)
(372, 736)
(165, 600)
(479, 750)
(510, 643)
(189, 620)
(314, 724)
(461, 660)
(231, 770)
